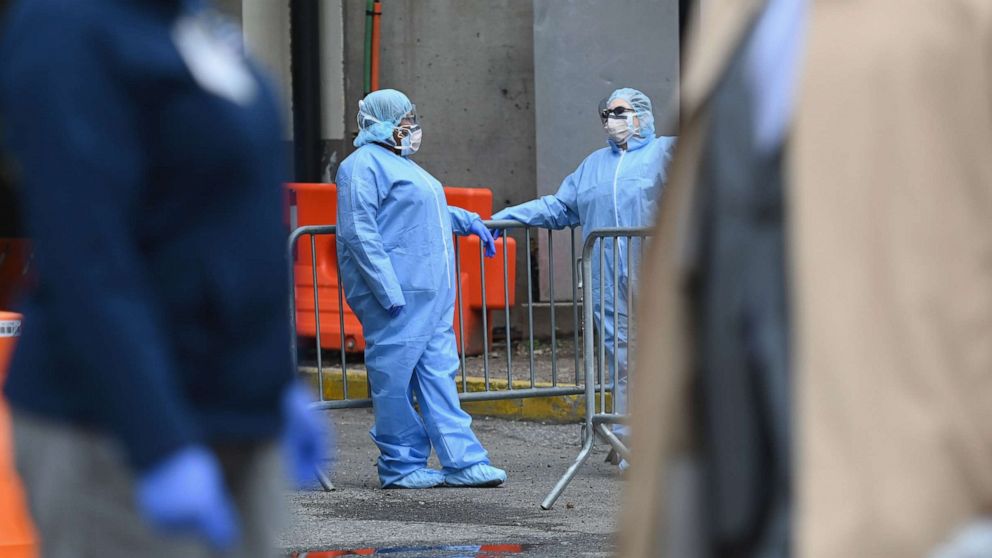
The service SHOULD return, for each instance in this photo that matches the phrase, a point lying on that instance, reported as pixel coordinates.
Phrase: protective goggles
(403, 130)
(618, 112)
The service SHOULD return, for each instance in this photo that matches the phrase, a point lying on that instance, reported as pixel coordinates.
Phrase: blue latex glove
(185, 494)
(395, 310)
(497, 233)
(306, 436)
(480, 230)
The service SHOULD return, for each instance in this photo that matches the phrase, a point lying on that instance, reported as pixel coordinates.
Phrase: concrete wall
(266, 34)
(469, 68)
(506, 89)
(333, 129)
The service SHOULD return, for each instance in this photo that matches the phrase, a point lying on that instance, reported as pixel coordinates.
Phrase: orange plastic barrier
(316, 204)
(16, 532)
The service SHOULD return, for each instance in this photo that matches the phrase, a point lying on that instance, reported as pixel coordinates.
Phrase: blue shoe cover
(479, 475)
(421, 478)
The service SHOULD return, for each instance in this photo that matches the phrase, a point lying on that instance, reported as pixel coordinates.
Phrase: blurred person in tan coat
(887, 181)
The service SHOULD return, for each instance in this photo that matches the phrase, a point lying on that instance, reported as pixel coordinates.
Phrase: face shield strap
(411, 116)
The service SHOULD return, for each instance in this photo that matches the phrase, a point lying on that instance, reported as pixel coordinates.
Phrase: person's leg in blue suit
(449, 427)
(406, 365)
(399, 432)
(462, 456)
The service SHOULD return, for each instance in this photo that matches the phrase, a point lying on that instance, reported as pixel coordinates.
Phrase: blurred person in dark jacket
(152, 389)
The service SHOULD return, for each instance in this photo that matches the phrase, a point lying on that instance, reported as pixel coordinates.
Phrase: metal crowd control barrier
(531, 389)
(584, 368)
(599, 415)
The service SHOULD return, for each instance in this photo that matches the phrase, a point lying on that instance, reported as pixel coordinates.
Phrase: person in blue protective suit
(617, 186)
(395, 248)
(152, 391)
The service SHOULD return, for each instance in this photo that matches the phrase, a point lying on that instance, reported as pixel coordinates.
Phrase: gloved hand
(496, 233)
(480, 230)
(306, 437)
(185, 494)
(395, 310)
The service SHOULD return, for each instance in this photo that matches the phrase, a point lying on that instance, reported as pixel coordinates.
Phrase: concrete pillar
(336, 147)
(266, 29)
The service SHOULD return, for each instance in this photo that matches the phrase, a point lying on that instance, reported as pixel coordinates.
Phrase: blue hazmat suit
(395, 248)
(613, 187)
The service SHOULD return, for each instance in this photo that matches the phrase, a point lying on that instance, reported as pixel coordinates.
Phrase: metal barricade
(590, 372)
(510, 385)
(605, 369)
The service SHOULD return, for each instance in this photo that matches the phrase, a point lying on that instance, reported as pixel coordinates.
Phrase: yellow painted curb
(558, 408)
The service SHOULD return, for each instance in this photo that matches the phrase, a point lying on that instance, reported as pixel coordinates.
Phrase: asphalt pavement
(360, 519)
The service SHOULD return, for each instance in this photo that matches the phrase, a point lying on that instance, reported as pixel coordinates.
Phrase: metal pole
(485, 318)
(316, 314)
(632, 271)
(506, 309)
(294, 358)
(325, 481)
(616, 323)
(603, 365)
(461, 311)
(554, 333)
(344, 359)
(575, 307)
(614, 441)
(590, 387)
(530, 307)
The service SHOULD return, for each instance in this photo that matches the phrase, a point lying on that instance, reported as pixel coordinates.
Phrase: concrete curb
(552, 409)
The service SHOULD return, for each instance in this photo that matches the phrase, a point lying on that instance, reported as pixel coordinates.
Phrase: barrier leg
(613, 440)
(325, 481)
(590, 393)
(555, 493)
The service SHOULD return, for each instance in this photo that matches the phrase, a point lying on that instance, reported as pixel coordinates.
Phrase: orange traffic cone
(17, 538)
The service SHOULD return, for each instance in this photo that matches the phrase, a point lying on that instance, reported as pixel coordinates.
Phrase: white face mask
(620, 129)
(410, 143)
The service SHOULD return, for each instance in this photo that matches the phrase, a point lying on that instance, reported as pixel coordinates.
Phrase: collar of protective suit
(890, 231)
(633, 144)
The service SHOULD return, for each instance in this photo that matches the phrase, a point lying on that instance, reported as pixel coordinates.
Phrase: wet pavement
(360, 519)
